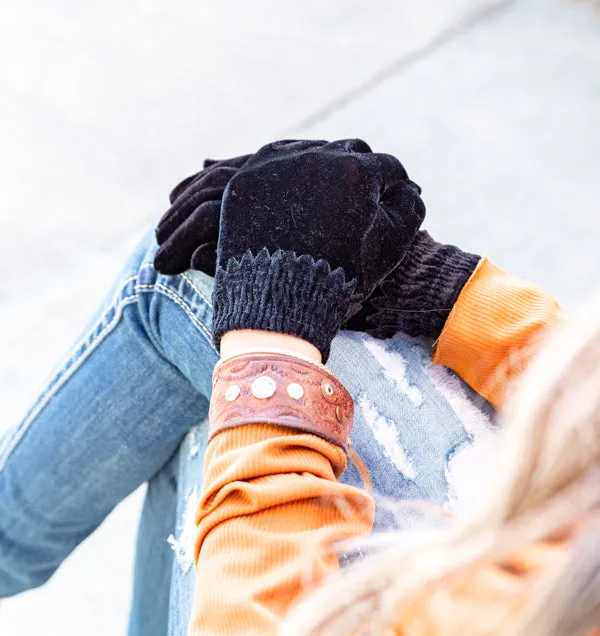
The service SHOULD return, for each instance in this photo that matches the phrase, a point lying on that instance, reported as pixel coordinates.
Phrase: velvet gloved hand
(418, 296)
(308, 230)
(195, 211)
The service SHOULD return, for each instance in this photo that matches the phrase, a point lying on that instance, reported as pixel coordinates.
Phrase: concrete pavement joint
(454, 31)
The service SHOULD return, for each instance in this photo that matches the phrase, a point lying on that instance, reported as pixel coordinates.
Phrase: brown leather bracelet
(270, 388)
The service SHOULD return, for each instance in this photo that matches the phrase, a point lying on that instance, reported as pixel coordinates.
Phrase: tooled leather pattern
(314, 412)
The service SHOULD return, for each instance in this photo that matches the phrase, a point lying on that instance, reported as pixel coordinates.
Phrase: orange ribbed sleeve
(271, 507)
(495, 327)
(270, 511)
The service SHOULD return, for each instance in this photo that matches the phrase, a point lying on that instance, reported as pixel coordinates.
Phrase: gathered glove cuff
(418, 296)
(281, 292)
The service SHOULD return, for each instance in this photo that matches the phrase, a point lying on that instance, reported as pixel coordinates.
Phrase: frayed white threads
(470, 469)
(194, 442)
(184, 545)
(394, 368)
(384, 431)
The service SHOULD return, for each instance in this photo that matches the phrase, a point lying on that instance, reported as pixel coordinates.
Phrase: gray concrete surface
(494, 106)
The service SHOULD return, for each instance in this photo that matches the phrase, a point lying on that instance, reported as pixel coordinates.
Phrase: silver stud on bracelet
(295, 391)
(263, 387)
(232, 393)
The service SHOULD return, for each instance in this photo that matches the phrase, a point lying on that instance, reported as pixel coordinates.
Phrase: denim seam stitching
(191, 284)
(13, 441)
(140, 269)
(114, 305)
(146, 287)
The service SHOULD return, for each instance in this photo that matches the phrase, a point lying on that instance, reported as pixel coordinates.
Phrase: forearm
(496, 326)
(486, 324)
(271, 505)
(270, 511)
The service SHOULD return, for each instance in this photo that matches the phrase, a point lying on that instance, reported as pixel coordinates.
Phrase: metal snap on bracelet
(232, 393)
(295, 391)
(327, 389)
(263, 387)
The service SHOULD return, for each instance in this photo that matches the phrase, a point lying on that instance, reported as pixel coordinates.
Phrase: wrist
(234, 343)
(419, 295)
(280, 390)
(281, 293)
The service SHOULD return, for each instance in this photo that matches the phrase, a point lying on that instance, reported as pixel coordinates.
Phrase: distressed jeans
(129, 405)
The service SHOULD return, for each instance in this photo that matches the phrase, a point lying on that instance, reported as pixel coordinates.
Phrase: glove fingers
(398, 219)
(283, 146)
(295, 144)
(175, 254)
(181, 187)
(210, 188)
(403, 204)
(204, 258)
(390, 169)
(185, 185)
(234, 162)
(175, 217)
(416, 186)
(349, 145)
(209, 165)
(215, 178)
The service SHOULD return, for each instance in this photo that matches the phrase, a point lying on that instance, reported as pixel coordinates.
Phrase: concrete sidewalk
(494, 106)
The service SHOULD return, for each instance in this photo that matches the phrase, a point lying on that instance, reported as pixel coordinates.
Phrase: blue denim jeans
(129, 405)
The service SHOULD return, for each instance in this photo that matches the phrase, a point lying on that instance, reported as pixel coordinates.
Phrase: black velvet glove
(418, 296)
(308, 230)
(195, 211)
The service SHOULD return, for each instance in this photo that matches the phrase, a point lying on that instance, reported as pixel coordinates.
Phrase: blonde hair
(548, 481)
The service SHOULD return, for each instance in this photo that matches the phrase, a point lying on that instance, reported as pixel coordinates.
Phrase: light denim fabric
(129, 405)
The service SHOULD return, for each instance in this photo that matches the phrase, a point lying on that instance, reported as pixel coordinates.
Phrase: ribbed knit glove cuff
(284, 293)
(418, 296)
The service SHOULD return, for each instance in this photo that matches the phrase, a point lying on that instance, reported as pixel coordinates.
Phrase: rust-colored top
(271, 506)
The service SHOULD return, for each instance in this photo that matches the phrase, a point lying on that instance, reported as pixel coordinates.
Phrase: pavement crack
(452, 32)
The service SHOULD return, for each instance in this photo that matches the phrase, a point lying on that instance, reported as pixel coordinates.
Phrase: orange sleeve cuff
(270, 513)
(495, 327)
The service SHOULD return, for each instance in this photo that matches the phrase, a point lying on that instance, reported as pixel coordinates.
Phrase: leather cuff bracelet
(270, 388)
